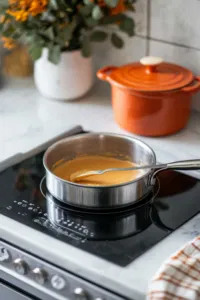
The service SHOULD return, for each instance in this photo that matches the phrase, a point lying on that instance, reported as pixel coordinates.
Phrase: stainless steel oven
(9, 292)
(14, 288)
(26, 277)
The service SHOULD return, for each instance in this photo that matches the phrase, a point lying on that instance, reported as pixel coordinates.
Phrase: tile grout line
(148, 37)
(168, 43)
(148, 27)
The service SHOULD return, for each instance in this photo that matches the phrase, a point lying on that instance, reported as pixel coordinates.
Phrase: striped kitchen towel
(179, 276)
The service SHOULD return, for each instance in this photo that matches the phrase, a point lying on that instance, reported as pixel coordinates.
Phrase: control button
(4, 254)
(40, 276)
(20, 266)
(58, 282)
(80, 294)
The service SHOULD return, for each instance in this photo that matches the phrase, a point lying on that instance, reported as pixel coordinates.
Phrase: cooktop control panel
(47, 278)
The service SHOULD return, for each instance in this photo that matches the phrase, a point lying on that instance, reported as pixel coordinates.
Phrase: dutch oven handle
(104, 73)
(193, 88)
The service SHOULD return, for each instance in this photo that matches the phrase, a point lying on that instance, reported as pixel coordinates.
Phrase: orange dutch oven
(151, 97)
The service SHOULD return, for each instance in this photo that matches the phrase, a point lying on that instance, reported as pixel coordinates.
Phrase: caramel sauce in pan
(89, 163)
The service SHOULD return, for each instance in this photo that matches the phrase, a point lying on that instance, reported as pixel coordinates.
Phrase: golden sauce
(89, 163)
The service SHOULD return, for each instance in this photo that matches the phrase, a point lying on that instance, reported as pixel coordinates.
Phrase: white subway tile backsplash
(196, 102)
(134, 48)
(106, 54)
(140, 17)
(187, 57)
(176, 21)
(183, 56)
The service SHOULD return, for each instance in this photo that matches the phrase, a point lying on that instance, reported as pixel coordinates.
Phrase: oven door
(14, 289)
(8, 292)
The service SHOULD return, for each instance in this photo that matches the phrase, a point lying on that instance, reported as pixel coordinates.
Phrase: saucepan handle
(183, 165)
(195, 87)
(104, 73)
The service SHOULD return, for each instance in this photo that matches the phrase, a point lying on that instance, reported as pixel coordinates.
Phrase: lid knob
(151, 63)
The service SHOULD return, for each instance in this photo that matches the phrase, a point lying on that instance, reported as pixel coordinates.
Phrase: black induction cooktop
(119, 236)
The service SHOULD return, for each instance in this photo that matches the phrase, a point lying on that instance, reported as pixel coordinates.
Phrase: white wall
(174, 33)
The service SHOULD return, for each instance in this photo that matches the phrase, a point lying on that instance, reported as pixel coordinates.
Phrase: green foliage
(97, 13)
(54, 54)
(117, 41)
(86, 46)
(68, 25)
(127, 25)
(112, 3)
(98, 36)
(35, 52)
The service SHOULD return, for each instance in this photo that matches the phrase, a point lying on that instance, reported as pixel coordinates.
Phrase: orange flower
(12, 2)
(121, 7)
(2, 19)
(23, 4)
(22, 9)
(8, 43)
(19, 15)
(37, 7)
(101, 3)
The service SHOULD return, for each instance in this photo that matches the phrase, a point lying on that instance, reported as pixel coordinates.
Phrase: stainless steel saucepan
(104, 197)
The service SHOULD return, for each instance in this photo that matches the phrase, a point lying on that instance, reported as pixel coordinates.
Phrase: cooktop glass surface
(117, 236)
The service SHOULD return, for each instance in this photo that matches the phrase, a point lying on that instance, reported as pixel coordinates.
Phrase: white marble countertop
(28, 120)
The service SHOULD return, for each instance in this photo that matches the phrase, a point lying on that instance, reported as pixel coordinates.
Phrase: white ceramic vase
(69, 80)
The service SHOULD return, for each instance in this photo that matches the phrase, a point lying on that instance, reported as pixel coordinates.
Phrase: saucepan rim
(97, 134)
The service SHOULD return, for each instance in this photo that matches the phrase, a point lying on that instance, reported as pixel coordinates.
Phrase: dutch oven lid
(151, 74)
